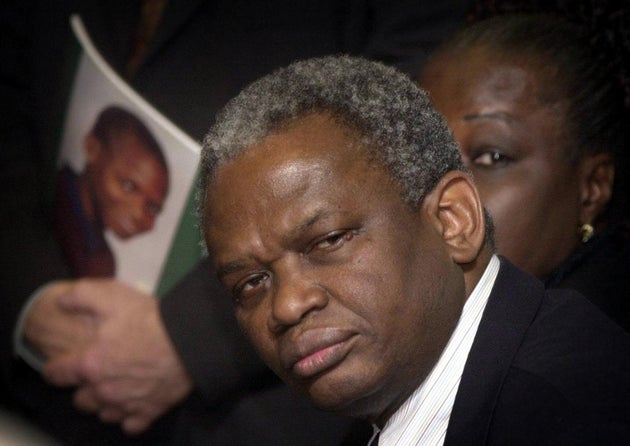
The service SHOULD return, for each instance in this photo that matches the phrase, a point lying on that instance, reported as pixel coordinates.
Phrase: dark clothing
(81, 239)
(202, 54)
(601, 271)
(545, 368)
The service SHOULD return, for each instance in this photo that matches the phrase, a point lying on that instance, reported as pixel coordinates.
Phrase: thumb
(85, 296)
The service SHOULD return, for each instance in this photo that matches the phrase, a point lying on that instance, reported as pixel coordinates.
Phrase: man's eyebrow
(230, 268)
(308, 222)
(294, 233)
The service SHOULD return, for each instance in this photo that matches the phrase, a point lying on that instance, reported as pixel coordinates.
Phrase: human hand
(53, 330)
(129, 373)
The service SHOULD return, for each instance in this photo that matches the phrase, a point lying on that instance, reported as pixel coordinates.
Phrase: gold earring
(586, 232)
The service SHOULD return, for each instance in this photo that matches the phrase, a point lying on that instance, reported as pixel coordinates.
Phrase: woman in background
(537, 107)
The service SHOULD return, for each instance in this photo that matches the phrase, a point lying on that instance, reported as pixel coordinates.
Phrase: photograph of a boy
(122, 188)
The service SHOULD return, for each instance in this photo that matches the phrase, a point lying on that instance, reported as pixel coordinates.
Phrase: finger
(72, 369)
(137, 423)
(85, 296)
(117, 392)
(64, 370)
(111, 414)
(85, 400)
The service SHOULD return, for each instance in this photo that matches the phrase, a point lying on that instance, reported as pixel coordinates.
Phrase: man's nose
(296, 293)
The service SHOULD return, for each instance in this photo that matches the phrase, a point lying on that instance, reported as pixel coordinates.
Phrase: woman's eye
(490, 159)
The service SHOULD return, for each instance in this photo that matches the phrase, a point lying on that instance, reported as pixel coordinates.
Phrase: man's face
(127, 186)
(347, 293)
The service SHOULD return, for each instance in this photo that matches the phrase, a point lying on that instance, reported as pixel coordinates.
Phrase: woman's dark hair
(605, 24)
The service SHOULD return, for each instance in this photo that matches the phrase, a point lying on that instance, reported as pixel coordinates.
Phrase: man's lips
(316, 350)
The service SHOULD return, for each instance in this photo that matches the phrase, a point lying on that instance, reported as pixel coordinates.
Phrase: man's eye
(128, 185)
(333, 241)
(249, 286)
(491, 159)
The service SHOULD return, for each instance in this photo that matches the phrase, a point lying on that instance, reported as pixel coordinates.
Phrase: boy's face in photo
(127, 185)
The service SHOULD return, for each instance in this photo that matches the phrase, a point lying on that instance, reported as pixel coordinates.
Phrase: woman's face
(515, 147)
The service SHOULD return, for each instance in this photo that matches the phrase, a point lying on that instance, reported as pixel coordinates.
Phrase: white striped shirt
(423, 417)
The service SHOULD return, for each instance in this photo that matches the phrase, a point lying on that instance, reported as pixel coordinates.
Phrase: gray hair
(391, 115)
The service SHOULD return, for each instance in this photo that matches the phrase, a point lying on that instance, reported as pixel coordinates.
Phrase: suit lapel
(511, 308)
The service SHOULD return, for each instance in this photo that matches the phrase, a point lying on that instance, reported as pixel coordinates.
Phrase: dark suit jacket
(203, 53)
(545, 368)
(599, 270)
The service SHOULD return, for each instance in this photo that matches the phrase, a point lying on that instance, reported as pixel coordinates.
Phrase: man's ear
(597, 175)
(456, 211)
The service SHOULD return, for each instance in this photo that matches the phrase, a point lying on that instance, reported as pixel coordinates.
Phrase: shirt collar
(423, 417)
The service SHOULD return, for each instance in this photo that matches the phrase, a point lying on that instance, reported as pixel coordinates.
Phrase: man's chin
(332, 395)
